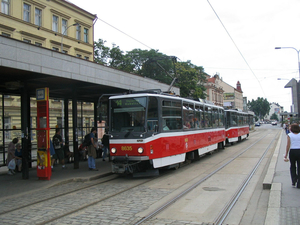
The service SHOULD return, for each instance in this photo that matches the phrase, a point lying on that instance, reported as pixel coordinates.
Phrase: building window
(27, 41)
(55, 49)
(78, 55)
(86, 35)
(64, 26)
(26, 12)
(7, 124)
(5, 34)
(64, 51)
(55, 23)
(38, 17)
(78, 32)
(38, 44)
(86, 58)
(5, 6)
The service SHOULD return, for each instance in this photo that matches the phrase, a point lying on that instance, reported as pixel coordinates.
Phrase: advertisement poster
(42, 161)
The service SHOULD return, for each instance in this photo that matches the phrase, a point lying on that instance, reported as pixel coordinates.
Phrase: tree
(155, 65)
(274, 116)
(101, 52)
(190, 80)
(260, 107)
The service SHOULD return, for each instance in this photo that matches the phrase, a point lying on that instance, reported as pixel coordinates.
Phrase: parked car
(274, 122)
(257, 124)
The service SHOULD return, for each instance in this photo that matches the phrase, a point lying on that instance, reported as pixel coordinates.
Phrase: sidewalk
(10, 185)
(284, 200)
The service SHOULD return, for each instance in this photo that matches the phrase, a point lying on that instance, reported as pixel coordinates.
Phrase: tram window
(207, 117)
(221, 118)
(240, 119)
(152, 116)
(128, 114)
(233, 119)
(188, 116)
(197, 117)
(215, 118)
(171, 115)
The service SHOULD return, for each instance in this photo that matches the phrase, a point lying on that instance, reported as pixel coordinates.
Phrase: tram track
(227, 208)
(102, 180)
(107, 197)
(58, 198)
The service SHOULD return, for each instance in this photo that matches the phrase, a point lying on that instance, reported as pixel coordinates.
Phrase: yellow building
(55, 24)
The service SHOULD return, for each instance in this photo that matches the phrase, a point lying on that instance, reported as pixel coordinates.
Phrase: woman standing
(293, 150)
(11, 154)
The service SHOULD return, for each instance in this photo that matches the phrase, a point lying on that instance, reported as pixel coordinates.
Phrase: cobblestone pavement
(54, 207)
(120, 209)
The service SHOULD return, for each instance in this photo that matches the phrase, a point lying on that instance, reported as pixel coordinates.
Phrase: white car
(274, 122)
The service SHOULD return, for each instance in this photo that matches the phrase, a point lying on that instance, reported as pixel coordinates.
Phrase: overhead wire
(236, 46)
(125, 34)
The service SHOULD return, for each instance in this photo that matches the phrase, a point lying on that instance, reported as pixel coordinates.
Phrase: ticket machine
(43, 134)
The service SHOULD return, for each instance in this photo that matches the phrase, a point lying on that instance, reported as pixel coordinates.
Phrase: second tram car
(237, 125)
(153, 130)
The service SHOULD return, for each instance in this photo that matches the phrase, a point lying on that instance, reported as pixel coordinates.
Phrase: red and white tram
(154, 130)
(237, 125)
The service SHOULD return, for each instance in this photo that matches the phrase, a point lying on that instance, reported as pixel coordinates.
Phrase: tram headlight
(113, 150)
(140, 150)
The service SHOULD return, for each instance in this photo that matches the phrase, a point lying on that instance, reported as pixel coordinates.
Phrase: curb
(273, 212)
(267, 183)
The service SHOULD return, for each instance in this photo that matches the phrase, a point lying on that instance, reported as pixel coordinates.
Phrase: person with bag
(10, 162)
(92, 154)
(59, 152)
(293, 150)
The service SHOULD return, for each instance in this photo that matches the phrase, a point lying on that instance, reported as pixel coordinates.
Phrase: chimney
(238, 86)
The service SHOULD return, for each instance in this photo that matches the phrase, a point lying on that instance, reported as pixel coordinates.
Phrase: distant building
(214, 91)
(245, 107)
(223, 94)
(50, 24)
(274, 108)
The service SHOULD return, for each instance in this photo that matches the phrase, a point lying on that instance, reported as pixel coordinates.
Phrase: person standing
(105, 142)
(18, 157)
(293, 150)
(59, 153)
(11, 154)
(92, 154)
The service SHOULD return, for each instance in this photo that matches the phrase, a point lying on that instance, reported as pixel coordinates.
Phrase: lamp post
(294, 84)
(297, 54)
(62, 36)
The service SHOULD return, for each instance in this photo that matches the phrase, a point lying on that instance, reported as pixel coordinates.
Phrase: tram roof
(163, 96)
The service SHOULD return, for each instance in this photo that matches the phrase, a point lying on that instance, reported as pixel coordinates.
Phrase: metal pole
(297, 54)
(62, 36)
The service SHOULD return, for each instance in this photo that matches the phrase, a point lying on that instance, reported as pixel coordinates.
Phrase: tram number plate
(126, 148)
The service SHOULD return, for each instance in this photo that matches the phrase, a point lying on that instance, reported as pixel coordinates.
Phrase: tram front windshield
(128, 114)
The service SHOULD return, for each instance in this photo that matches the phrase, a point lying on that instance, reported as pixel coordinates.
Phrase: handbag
(12, 164)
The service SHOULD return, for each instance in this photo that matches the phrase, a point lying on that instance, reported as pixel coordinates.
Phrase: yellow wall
(13, 24)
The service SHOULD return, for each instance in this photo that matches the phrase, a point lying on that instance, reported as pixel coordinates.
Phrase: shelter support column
(75, 130)
(66, 120)
(25, 125)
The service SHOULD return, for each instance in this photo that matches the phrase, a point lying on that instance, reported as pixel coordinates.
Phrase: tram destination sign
(129, 102)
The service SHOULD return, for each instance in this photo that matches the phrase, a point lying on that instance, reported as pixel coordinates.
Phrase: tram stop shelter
(75, 86)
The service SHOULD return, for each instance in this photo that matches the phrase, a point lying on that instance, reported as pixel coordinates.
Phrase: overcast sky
(190, 30)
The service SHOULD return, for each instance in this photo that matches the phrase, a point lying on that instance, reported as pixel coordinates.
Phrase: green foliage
(101, 52)
(154, 65)
(260, 107)
(274, 116)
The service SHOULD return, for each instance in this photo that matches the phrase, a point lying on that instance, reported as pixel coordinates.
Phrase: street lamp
(298, 56)
(62, 36)
(294, 85)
